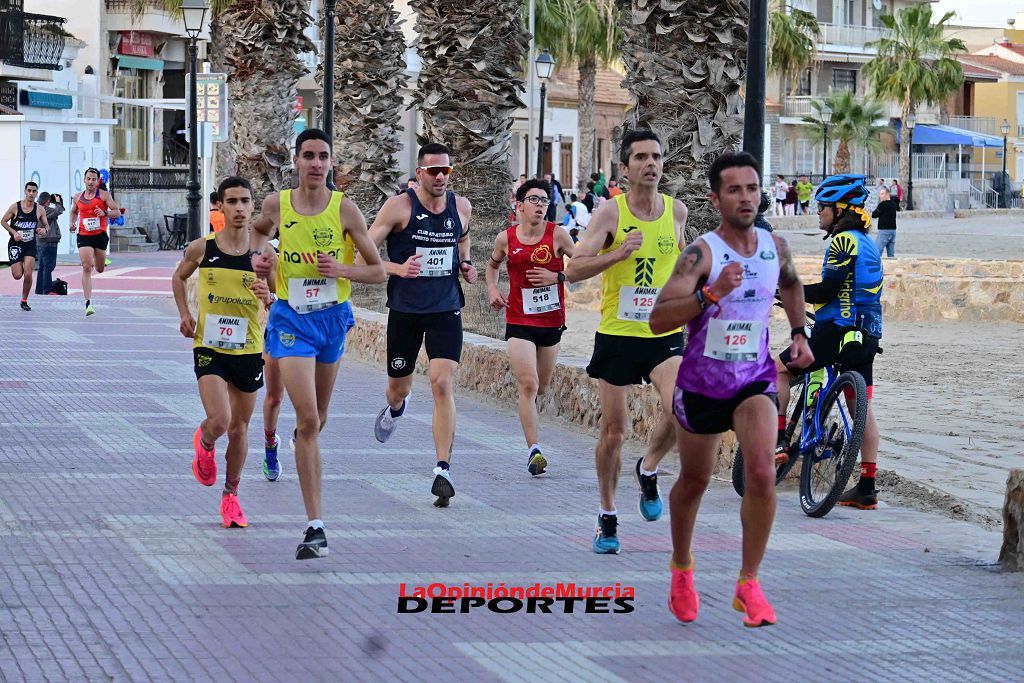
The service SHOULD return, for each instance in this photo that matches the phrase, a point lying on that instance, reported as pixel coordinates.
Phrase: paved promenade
(115, 566)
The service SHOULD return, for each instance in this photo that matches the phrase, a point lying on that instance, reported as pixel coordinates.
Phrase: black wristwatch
(561, 276)
(803, 330)
(466, 261)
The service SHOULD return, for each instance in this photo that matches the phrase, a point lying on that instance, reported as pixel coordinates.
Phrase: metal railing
(798, 105)
(925, 166)
(849, 35)
(148, 178)
(128, 6)
(986, 125)
(32, 41)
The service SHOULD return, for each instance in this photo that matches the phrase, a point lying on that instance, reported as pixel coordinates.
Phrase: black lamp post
(328, 99)
(1003, 184)
(194, 14)
(826, 118)
(757, 63)
(911, 122)
(545, 66)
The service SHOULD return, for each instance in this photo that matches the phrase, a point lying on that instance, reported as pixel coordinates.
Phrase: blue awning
(147, 63)
(928, 134)
(46, 100)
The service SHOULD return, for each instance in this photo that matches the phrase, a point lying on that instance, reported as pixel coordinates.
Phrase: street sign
(211, 103)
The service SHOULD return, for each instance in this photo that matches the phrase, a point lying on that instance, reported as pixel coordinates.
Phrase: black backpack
(59, 287)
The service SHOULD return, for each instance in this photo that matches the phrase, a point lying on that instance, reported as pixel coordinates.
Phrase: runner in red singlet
(90, 213)
(535, 305)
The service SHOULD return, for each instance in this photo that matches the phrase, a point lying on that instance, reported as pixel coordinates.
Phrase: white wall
(10, 168)
(83, 22)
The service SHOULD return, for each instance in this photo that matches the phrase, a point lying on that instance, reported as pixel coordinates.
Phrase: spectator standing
(804, 190)
(885, 212)
(896, 190)
(53, 204)
(555, 196)
(781, 188)
(613, 189)
(791, 201)
(216, 215)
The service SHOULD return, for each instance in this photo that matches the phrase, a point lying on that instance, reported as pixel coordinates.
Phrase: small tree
(853, 123)
(792, 37)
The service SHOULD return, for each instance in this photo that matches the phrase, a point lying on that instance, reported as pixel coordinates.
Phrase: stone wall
(1011, 555)
(916, 290)
(147, 208)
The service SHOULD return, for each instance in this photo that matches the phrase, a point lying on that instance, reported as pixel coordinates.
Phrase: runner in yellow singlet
(320, 231)
(634, 240)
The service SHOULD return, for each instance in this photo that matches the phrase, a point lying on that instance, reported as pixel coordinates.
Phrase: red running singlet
(529, 305)
(92, 215)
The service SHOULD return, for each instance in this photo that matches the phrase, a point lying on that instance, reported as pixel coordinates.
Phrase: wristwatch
(803, 329)
(466, 261)
(561, 276)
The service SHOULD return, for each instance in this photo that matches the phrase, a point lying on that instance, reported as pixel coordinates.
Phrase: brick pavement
(115, 566)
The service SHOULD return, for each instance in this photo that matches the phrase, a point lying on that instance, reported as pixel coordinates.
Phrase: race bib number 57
(312, 294)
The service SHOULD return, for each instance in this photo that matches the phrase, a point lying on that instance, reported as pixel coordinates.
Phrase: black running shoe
(855, 498)
(25, 306)
(313, 546)
(442, 487)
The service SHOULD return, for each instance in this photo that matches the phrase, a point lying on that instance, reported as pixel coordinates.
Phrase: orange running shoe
(683, 601)
(751, 601)
(231, 512)
(204, 465)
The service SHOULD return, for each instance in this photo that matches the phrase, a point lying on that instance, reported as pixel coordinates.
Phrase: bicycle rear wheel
(828, 466)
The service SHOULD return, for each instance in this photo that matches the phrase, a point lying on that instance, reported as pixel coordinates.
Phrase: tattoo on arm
(788, 276)
(689, 260)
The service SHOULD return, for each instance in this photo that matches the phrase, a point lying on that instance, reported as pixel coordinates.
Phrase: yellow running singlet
(228, 320)
(302, 238)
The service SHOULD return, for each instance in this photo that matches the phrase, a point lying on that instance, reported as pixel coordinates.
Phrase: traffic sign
(211, 103)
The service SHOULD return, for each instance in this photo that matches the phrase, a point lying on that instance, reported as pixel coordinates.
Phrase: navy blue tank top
(435, 236)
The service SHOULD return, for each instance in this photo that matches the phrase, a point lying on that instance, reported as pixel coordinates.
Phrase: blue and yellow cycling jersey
(850, 293)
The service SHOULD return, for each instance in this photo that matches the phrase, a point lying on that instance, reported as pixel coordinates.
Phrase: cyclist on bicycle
(846, 301)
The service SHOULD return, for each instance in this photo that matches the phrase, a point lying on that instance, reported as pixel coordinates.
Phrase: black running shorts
(824, 343)
(19, 251)
(98, 241)
(540, 336)
(699, 414)
(622, 361)
(407, 332)
(243, 370)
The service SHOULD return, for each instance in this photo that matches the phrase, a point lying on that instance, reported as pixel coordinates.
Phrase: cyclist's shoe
(271, 465)
(204, 464)
(855, 498)
(89, 310)
(751, 601)
(231, 512)
(781, 452)
(313, 546)
(606, 537)
(537, 463)
(25, 306)
(442, 487)
(683, 601)
(650, 498)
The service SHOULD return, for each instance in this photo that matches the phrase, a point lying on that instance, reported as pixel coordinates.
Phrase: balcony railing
(1020, 131)
(798, 105)
(121, 6)
(986, 125)
(32, 41)
(849, 35)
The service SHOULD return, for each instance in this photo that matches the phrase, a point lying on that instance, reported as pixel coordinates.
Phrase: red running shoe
(204, 465)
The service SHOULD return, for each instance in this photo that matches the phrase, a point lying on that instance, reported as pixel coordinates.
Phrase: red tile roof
(608, 86)
(992, 63)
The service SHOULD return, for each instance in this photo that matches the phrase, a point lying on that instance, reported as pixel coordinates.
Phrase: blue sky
(988, 13)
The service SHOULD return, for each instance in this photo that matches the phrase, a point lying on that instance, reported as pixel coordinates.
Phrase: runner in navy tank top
(535, 306)
(23, 221)
(722, 288)
(427, 234)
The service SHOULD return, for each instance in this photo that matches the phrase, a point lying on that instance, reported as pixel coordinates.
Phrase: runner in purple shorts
(722, 288)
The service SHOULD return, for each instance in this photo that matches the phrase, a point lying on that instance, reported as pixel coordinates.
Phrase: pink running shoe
(751, 601)
(204, 465)
(231, 512)
(683, 601)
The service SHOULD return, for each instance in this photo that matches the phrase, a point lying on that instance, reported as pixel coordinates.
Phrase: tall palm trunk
(685, 67)
(473, 53)
(841, 164)
(258, 43)
(369, 76)
(587, 93)
(905, 152)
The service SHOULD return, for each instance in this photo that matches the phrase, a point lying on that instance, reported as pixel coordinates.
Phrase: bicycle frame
(811, 434)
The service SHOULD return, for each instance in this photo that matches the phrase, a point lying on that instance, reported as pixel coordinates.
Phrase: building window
(37, 135)
(96, 136)
(131, 134)
(803, 84)
(71, 136)
(844, 79)
(805, 156)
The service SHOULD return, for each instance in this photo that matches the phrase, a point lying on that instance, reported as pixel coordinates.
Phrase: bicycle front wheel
(828, 466)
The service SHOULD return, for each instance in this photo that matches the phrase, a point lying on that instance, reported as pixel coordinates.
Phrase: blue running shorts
(317, 334)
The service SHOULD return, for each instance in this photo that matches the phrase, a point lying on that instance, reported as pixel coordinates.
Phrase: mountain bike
(825, 431)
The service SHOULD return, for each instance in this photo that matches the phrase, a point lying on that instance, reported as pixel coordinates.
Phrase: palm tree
(792, 39)
(469, 87)
(257, 43)
(584, 33)
(685, 64)
(915, 64)
(369, 77)
(853, 123)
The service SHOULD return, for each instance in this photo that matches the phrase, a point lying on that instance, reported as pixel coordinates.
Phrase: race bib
(435, 261)
(225, 332)
(27, 235)
(311, 294)
(636, 303)
(733, 340)
(540, 299)
(91, 224)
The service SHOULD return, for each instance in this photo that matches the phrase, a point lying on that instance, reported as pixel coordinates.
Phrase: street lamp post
(757, 61)
(826, 118)
(330, 6)
(911, 122)
(545, 66)
(1003, 184)
(194, 14)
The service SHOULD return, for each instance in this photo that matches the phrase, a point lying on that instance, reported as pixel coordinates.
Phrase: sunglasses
(537, 200)
(436, 170)
(822, 207)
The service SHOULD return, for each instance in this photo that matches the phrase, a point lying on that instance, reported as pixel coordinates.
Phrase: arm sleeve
(842, 258)
(876, 213)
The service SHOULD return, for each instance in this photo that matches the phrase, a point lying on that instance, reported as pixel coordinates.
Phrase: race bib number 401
(225, 332)
(312, 294)
(540, 299)
(435, 261)
(636, 303)
(733, 340)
